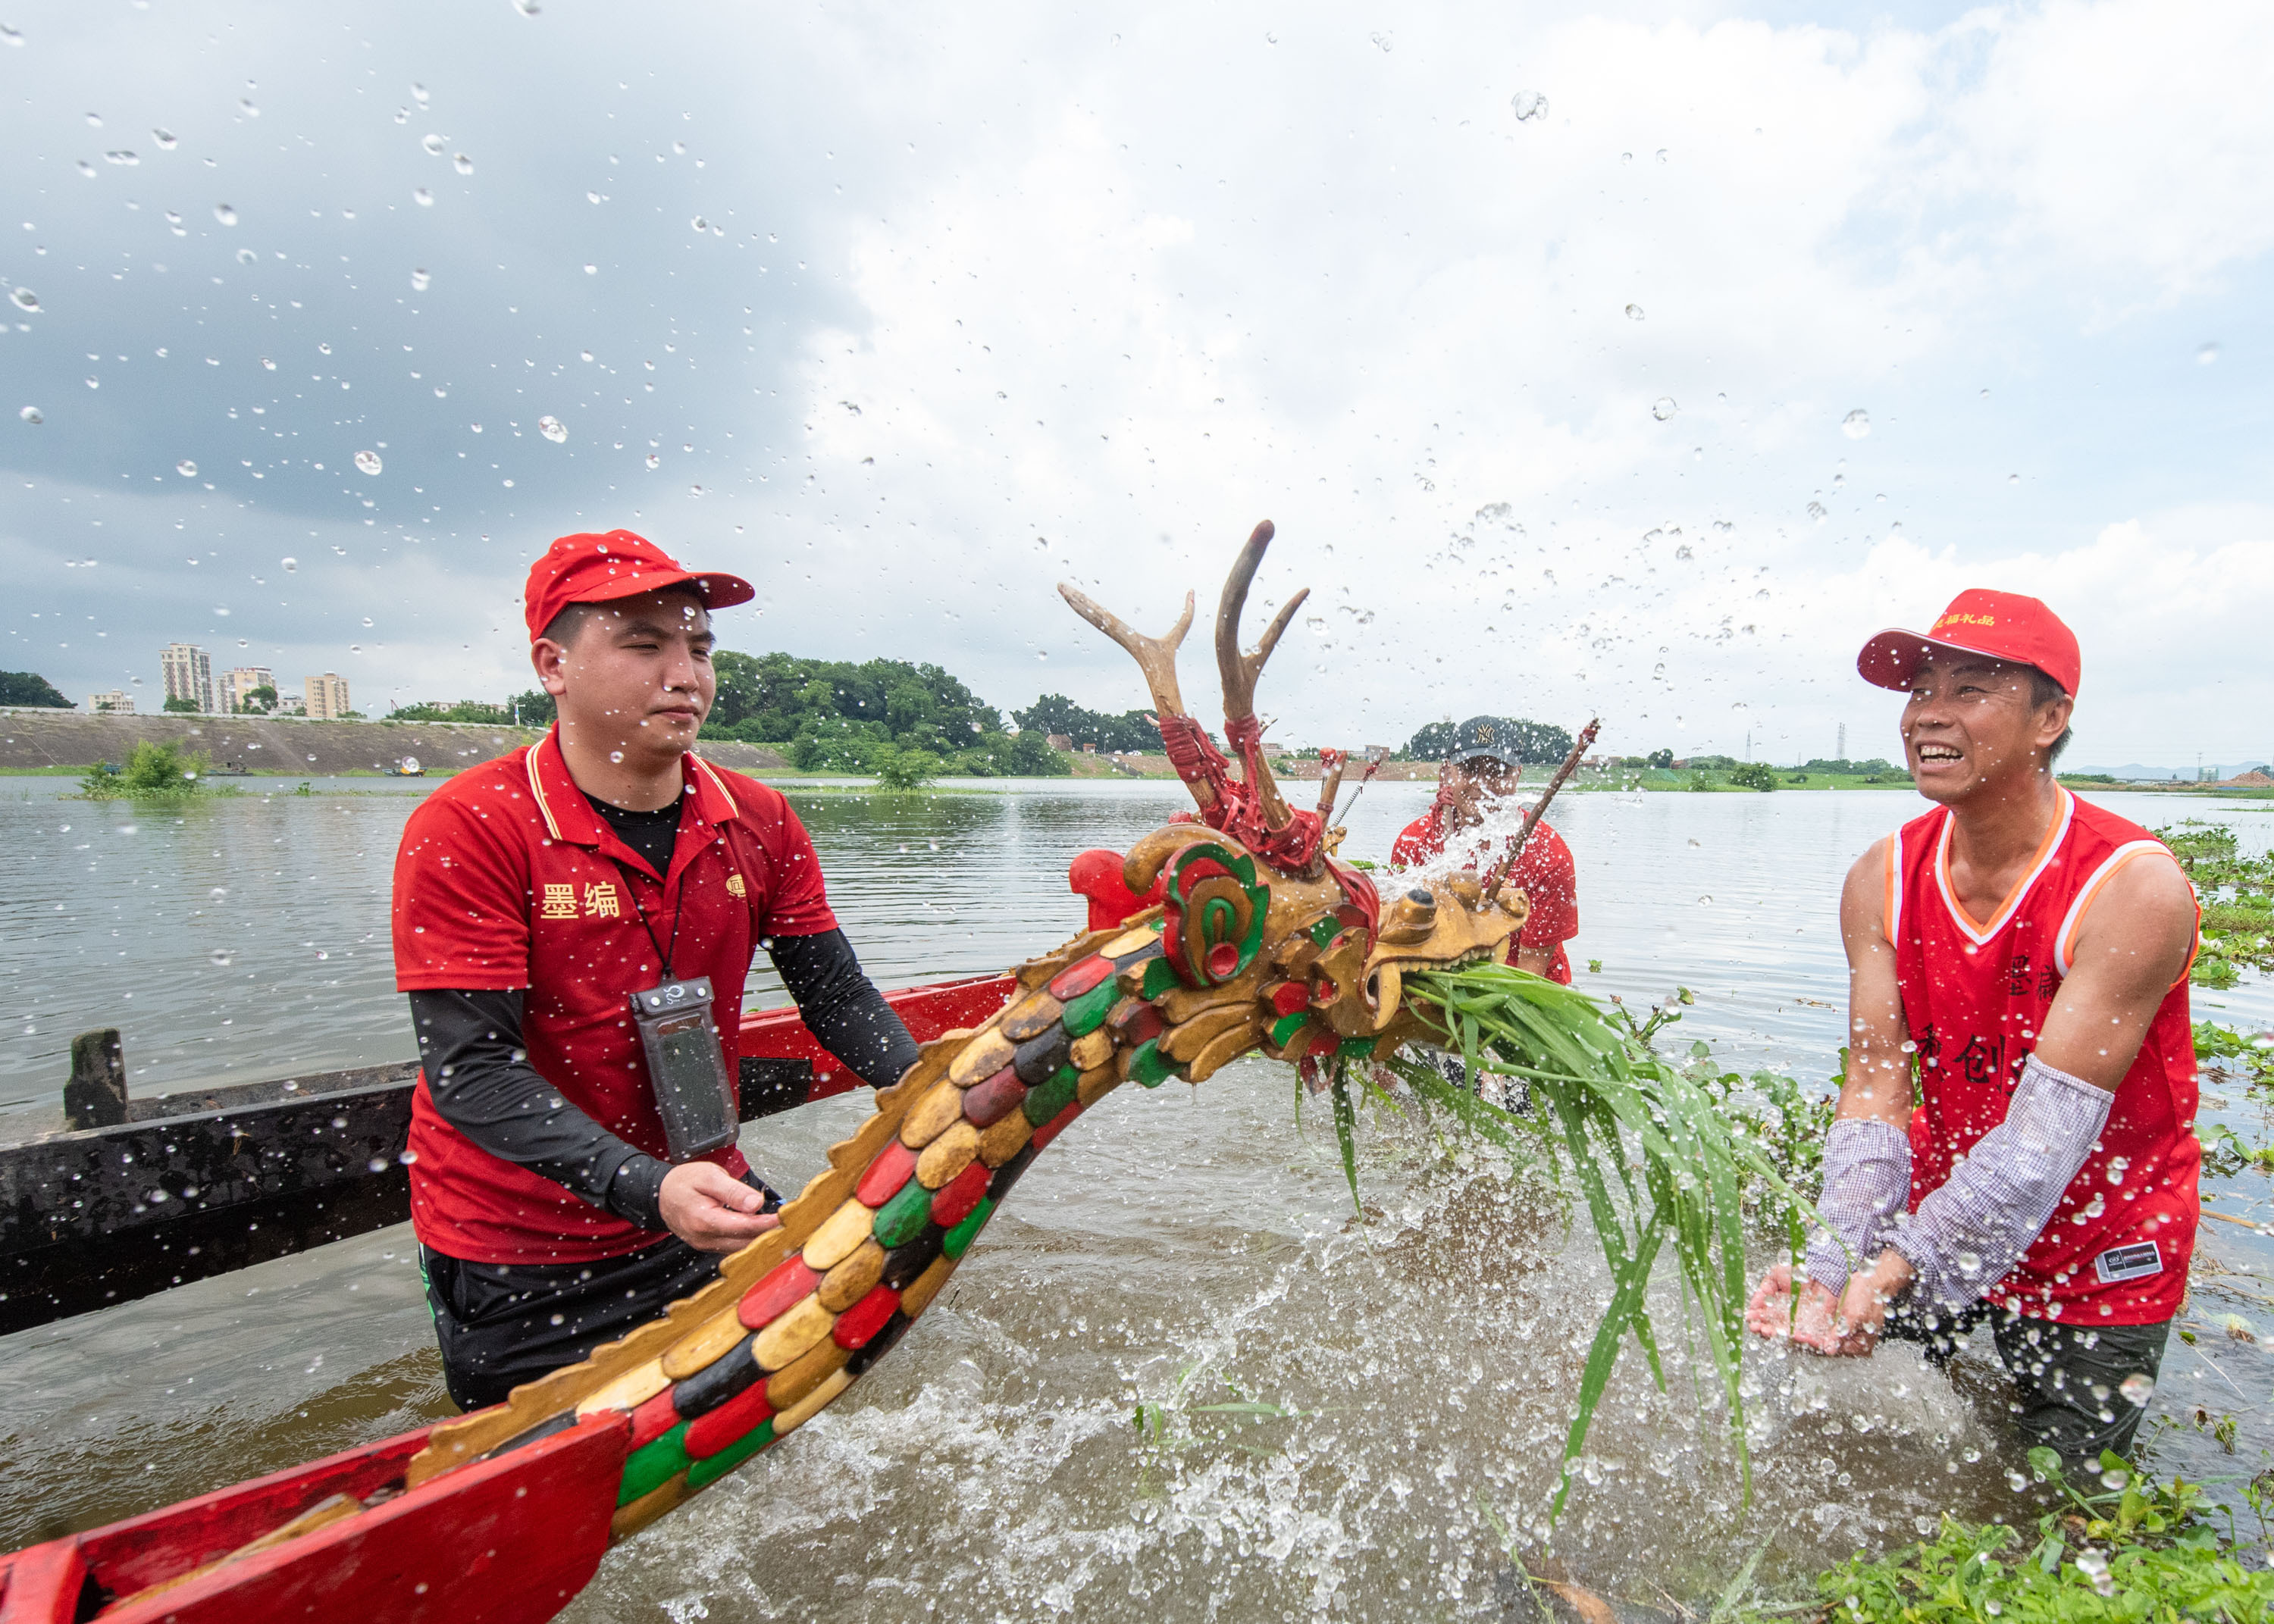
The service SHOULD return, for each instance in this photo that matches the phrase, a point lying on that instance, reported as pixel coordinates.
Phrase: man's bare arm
(1878, 1080)
(2132, 947)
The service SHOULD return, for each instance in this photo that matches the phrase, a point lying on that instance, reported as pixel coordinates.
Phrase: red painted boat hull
(503, 1541)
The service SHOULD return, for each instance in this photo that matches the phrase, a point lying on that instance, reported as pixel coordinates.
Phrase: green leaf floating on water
(1597, 1099)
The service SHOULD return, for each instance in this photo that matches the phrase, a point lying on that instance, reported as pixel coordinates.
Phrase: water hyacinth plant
(1645, 1144)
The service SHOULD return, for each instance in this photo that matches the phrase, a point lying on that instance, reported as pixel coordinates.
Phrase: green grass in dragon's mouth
(1645, 1147)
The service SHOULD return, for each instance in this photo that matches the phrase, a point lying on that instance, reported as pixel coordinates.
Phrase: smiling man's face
(1970, 720)
(633, 676)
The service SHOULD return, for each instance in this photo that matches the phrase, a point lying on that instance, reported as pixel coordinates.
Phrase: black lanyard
(678, 912)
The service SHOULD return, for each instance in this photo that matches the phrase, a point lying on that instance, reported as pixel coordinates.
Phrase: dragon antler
(1250, 808)
(1239, 671)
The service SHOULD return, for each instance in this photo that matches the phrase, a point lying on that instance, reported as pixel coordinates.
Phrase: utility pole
(1843, 741)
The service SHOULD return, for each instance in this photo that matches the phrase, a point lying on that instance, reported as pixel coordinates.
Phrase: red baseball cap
(589, 569)
(2003, 625)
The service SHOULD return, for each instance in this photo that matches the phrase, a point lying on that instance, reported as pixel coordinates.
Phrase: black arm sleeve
(842, 1008)
(483, 1085)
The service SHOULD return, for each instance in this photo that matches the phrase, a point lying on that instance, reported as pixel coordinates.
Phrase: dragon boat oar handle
(1499, 877)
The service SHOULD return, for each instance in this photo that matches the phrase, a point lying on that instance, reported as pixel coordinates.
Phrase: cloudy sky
(1637, 359)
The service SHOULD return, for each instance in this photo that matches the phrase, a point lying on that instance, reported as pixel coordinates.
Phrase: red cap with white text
(2002, 625)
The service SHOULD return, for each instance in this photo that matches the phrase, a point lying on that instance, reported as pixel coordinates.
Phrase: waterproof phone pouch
(688, 1067)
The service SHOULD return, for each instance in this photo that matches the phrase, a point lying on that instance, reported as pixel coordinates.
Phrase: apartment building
(189, 674)
(327, 697)
(235, 685)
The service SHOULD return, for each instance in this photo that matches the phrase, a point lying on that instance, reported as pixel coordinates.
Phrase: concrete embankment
(32, 740)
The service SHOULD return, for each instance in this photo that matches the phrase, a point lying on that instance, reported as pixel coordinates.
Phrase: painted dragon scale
(1247, 935)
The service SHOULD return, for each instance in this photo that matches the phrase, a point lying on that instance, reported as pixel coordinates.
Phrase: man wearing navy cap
(533, 897)
(1479, 780)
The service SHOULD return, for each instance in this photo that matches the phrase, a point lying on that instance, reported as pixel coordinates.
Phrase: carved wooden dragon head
(1268, 942)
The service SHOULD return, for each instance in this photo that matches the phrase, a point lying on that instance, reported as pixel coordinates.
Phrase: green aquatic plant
(1648, 1145)
(155, 771)
(2139, 1549)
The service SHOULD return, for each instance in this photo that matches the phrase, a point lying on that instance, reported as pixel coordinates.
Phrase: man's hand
(1848, 1328)
(710, 1209)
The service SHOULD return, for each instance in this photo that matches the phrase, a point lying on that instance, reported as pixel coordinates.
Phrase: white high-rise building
(116, 702)
(189, 674)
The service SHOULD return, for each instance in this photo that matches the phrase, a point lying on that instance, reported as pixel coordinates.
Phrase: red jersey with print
(1545, 872)
(1975, 996)
(508, 879)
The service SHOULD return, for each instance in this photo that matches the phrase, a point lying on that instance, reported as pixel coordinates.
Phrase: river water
(1397, 1389)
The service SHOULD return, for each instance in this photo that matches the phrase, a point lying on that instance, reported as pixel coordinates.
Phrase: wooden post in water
(95, 1097)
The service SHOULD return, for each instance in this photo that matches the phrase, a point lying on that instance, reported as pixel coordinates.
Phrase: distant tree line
(1537, 742)
(868, 718)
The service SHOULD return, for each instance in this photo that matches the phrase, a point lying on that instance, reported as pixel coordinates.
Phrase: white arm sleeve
(1967, 1235)
(1867, 1181)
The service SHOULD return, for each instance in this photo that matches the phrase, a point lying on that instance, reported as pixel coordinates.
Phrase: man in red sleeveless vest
(2031, 951)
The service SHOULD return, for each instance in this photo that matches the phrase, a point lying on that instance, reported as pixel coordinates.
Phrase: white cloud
(1066, 294)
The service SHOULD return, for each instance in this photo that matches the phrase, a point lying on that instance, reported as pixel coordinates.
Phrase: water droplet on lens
(1634, 312)
(616, 756)
(223, 213)
(463, 164)
(420, 281)
(2207, 354)
(2137, 1390)
(1816, 511)
(1970, 1264)
(1663, 408)
(552, 429)
(121, 157)
(1683, 552)
(701, 224)
(220, 958)
(423, 198)
(23, 298)
(186, 468)
(419, 94)
(1529, 105)
(267, 365)
(367, 461)
(31, 414)
(245, 256)
(1705, 902)
(166, 138)
(1856, 423)
(290, 564)
(654, 461)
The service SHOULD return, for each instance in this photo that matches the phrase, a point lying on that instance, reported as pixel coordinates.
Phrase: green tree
(258, 701)
(533, 709)
(1754, 775)
(1131, 733)
(1660, 758)
(1538, 743)
(188, 707)
(26, 687)
(906, 770)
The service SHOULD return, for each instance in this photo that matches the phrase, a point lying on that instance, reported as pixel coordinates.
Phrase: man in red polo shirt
(1481, 782)
(533, 896)
(2029, 951)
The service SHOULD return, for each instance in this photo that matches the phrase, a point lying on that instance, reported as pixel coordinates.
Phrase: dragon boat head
(1247, 932)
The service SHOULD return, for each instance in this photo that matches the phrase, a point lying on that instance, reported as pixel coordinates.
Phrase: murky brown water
(1188, 1249)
